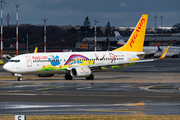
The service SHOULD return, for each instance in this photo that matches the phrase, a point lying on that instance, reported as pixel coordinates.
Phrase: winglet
(35, 50)
(164, 54)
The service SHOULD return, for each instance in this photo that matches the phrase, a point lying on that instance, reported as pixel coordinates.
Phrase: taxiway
(151, 88)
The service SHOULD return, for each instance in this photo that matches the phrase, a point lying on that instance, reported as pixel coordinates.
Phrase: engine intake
(80, 71)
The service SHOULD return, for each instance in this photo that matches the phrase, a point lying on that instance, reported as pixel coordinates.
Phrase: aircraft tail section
(119, 38)
(159, 49)
(136, 40)
(35, 50)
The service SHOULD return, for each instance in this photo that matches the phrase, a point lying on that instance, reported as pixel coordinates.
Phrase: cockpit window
(17, 60)
(14, 61)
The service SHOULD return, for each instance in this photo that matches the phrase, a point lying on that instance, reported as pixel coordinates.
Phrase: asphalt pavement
(151, 88)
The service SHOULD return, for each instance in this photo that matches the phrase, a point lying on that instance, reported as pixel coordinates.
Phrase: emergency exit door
(29, 62)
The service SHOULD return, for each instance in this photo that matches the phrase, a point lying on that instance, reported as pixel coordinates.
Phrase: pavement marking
(113, 111)
(152, 89)
(170, 73)
(84, 88)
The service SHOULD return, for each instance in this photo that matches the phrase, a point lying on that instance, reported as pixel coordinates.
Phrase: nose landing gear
(19, 76)
(19, 79)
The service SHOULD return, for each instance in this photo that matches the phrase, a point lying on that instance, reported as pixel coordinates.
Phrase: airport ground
(151, 88)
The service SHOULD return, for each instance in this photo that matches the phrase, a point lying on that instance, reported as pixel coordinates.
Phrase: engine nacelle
(80, 71)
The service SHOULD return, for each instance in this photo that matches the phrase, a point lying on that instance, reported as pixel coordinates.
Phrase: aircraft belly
(42, 72)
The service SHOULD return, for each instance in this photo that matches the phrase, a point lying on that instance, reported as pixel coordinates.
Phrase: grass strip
(96, 117)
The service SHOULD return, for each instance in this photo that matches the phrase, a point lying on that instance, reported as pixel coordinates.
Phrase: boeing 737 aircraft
(83, 64)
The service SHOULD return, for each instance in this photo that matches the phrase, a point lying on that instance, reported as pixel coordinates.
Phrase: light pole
(86, 37)
(95, 35)
(155, 24)
(45, 34)
(161, 24)
(2, 31)
(16, 29)
(27, 41)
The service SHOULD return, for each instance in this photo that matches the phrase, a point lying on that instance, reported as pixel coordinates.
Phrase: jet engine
(80, 71)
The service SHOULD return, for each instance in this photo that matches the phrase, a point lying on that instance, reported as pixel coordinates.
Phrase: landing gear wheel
(68, 77)
(19, 79)
(91, 77)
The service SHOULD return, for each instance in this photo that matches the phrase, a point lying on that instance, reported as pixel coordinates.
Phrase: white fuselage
(150, 49)
(58, 62)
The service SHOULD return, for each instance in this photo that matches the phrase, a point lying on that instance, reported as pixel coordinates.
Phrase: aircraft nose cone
(6, 67)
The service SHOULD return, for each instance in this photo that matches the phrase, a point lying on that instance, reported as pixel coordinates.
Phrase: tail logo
(119, 38)
(138, 29)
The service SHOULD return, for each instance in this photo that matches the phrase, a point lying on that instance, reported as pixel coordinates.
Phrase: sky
(120, 13)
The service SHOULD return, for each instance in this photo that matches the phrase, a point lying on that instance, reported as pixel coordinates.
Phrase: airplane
(156, 51)
(83, 64)
(174, 52)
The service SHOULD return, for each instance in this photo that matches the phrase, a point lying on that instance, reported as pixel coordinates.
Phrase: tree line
(58, 36)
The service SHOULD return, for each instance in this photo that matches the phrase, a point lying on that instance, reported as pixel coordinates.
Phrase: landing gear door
(29, 62)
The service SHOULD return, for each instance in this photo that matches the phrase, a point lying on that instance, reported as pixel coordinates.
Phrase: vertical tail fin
(35, 50)
(159, 49)
(136, 40)
(119, 38)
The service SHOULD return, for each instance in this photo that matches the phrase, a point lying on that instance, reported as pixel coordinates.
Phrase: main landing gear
(91, 77)
(68, 77)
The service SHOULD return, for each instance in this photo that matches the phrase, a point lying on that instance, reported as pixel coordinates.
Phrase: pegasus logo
(136, 32)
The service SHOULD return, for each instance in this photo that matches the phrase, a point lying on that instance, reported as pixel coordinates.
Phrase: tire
(19, 79)
(68, 77)
(91, 77)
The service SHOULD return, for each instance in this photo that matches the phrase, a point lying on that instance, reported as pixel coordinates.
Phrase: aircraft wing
(150, 53)
(128, 62)
(119, 64)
